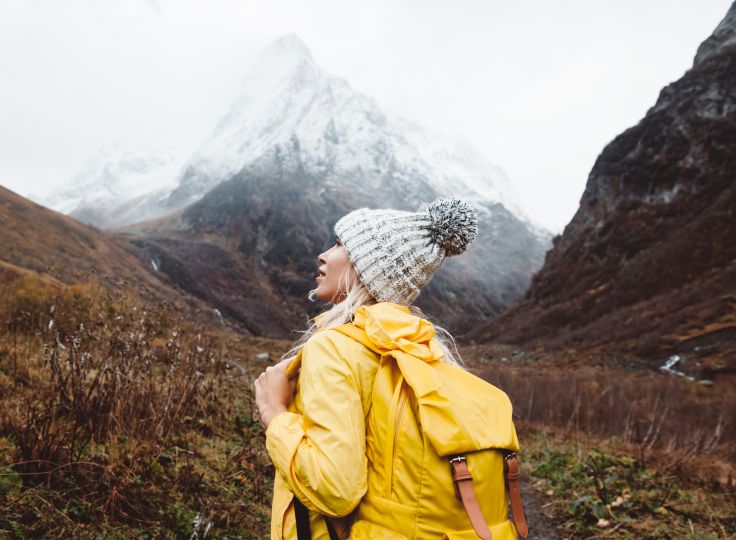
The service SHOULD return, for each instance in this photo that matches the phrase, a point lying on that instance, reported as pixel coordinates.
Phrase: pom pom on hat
(454, 224)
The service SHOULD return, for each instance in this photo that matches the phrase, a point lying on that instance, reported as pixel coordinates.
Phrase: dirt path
(539, 526)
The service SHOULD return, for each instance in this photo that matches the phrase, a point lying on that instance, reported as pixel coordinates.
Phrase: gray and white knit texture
(395, 252)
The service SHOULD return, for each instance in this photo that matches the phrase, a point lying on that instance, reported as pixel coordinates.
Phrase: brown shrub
(665, 418)
(101, 389)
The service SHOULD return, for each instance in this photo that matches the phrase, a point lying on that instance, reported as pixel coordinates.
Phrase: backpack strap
(303, 529)
(463, 482)
(464, 491)
(301, 514)
(511, 468)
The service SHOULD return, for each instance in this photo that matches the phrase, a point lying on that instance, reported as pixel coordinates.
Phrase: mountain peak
(723, 36)
(290, 44)
(286, 58)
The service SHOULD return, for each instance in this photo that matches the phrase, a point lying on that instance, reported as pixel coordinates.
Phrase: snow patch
(664, 196)
(669, 367)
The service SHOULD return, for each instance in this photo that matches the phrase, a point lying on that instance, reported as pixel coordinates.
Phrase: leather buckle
(455, 460)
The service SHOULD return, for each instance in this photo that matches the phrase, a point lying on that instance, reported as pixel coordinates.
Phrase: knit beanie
(395, 252)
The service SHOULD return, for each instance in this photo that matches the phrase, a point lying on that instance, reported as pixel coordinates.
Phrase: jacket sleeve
(320, 454)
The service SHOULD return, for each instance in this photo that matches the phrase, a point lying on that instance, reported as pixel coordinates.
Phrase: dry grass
(115, 416)
(682, 426)
(624, 453)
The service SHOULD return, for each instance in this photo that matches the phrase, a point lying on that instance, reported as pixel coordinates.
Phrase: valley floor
(118, 420)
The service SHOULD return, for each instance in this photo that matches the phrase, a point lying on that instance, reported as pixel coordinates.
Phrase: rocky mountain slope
(648, 263)
(62, 251)
(249, 248)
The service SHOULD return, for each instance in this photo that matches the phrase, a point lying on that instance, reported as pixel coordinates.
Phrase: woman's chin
(323, 294)
(320, 295)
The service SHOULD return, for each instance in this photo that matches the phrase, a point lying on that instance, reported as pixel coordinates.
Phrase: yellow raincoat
(321, 453)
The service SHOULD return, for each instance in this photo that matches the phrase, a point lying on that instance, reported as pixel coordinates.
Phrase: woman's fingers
(274, 379)
(274, 390)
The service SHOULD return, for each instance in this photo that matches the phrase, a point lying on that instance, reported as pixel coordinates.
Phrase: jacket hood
(459, 411)
(391, 327)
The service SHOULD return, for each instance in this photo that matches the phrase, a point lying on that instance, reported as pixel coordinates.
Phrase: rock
(649, 255)
(165, 459)
(723, 35)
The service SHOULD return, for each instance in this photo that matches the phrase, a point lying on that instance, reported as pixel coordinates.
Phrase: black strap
(330, 529)
(303, 530)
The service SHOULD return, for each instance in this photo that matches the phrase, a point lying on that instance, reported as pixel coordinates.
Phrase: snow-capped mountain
(287, 100)
(297, 150)
(120, 185)
(340, 133)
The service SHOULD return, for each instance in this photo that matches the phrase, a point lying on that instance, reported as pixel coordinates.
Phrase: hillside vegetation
(616, 450)
(117, 419)
(120, 420)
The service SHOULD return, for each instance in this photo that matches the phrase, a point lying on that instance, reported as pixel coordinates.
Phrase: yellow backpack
(441, 448)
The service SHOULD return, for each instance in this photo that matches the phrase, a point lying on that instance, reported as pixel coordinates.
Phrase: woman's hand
(274, 391)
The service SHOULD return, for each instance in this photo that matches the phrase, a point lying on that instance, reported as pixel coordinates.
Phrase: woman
(316, 437)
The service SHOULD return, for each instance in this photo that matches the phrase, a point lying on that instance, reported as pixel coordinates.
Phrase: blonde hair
(342, 312)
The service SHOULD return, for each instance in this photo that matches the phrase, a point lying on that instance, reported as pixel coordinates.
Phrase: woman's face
(335, 268)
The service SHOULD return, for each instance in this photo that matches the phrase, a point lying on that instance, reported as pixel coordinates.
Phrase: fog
(538, 87)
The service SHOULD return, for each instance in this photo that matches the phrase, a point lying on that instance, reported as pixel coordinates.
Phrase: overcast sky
(539, 87)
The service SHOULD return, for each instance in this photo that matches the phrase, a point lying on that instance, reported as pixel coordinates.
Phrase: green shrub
(598, 492)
